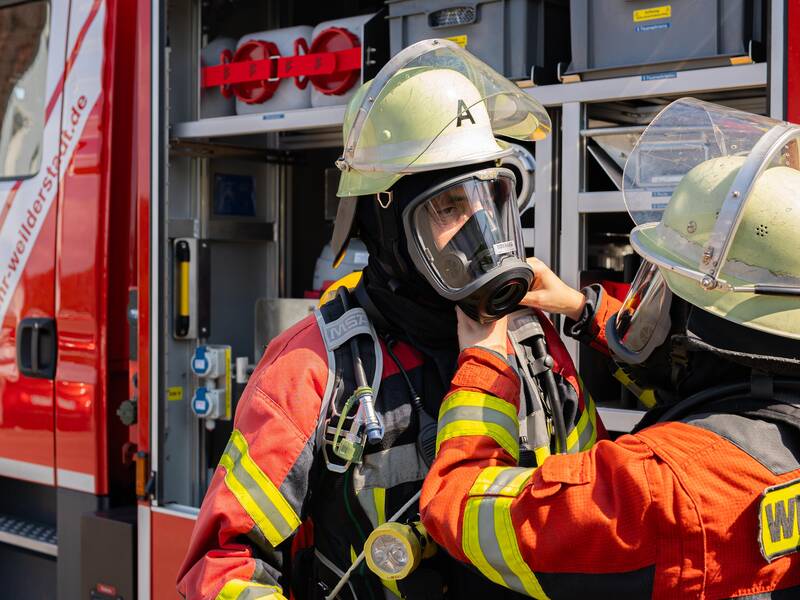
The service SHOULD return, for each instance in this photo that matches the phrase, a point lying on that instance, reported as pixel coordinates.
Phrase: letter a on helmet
(432, 106)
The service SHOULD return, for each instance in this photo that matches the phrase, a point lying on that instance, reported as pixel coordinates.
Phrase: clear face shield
(464, 237)
(707, 161)
(433, 106)
(715, 196)
(706, 186)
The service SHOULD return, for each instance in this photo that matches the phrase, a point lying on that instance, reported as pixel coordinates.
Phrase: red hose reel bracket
(253, 73)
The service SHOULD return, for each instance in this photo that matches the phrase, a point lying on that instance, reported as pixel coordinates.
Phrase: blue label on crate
(656, 76)
(659, 205)
(272, 116)
(666, 194)
(653, 27)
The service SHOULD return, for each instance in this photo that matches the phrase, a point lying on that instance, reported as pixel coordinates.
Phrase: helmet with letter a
(438, 116)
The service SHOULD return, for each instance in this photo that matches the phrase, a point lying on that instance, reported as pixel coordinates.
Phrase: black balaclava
(405, 299)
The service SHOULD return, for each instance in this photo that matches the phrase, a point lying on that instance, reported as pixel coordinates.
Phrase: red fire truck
(127, 285)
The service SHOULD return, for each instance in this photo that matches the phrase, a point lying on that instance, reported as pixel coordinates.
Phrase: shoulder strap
(337, 327)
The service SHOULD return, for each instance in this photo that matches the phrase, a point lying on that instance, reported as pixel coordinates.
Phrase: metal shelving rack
(563, 201)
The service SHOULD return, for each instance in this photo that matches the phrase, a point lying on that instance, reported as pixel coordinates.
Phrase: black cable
(731, 391)
(426, 436)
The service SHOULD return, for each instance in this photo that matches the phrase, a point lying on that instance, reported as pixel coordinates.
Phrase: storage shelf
(655, 84)
(269, 122)
(601, 202)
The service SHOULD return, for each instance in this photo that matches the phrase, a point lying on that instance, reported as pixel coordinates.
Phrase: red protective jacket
(270, 479)
(705, 508)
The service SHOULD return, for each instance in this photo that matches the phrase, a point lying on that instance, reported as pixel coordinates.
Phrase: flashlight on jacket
(394, 550)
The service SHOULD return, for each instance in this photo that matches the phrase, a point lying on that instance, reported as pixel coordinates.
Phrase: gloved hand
(552, 295)
(492, 336)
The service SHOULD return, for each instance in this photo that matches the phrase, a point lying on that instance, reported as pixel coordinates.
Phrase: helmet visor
(729, 186)
(434, 105)
(685, 134)
(466, 230)
(642, 322)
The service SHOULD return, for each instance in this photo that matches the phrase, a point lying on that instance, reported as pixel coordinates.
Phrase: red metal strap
(309, 65)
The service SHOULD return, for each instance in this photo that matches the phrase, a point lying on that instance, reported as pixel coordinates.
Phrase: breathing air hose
(548, 381)
(731, 391)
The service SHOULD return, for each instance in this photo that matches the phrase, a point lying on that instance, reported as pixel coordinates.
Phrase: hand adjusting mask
(464, 236)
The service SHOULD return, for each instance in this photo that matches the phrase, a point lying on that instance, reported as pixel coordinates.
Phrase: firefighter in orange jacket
(701, 501)
(336, 429)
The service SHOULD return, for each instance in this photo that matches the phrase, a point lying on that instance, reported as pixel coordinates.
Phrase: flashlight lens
(389, 554)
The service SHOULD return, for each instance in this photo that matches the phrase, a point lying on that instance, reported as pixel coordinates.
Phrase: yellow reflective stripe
(541, 453)
(467, 413)
(507, 538)
(501, 481)
(467, 428)
(238, 589)
(645, 395)
(489, 539)
(379, 497)
(259, 497)
(479, 400)
(580, 436)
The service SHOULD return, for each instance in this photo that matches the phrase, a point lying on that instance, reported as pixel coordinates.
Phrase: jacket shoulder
(292, 375)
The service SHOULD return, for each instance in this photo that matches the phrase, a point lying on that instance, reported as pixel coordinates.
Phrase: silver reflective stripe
(254, 592)
(266, 505)
(490, 546)
(482, 414)
(504, 478)
(389, 468)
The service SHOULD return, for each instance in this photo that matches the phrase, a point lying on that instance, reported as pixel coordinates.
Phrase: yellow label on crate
(175, 393)
(779, 517)
(461, 40)
(651, 14)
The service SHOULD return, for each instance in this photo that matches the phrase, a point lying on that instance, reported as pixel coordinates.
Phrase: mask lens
(463, 231)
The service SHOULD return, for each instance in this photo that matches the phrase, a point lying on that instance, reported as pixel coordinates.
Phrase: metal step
(30, 535)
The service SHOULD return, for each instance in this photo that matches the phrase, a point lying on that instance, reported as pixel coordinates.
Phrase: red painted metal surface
(94, 271)
(26, 404)
(793, 61)
(142, 161)
(171, 536)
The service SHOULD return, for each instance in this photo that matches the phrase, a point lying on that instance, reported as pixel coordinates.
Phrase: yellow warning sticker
(461, 40)
(175, 393)
(651, 14)
(779, 520)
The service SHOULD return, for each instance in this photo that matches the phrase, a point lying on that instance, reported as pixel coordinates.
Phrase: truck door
(34, 148)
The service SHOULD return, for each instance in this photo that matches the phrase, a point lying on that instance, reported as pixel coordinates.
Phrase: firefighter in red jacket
(701, 501)
(337, 427)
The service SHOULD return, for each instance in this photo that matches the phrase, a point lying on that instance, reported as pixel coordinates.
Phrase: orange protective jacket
(704, 508)
(270, 486)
